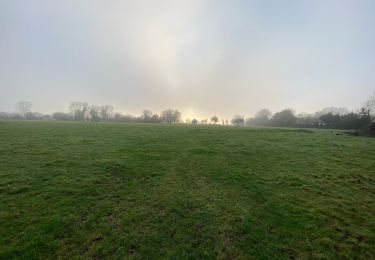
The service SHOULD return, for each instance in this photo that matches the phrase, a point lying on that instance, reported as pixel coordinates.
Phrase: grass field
(103, 190)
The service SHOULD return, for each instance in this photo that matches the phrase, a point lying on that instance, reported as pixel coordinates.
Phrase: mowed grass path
(157, 191)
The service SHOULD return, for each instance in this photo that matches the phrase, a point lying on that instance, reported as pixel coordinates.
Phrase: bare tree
(263, 114)
(94, 112)
(370, 105)
(106, 112)
(238, 120)
(194, 121)
(262, 118)
(214, 119)
(79, 110)
(155, 118)
(118, 117)
(170, 116)
(147, 116)
(23, 107)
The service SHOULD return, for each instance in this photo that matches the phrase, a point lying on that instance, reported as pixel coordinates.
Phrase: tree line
(330, 117)
(82, 111)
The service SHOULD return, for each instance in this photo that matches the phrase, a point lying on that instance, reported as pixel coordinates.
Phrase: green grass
(101, 190)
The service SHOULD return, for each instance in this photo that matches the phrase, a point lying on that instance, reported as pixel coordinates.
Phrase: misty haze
(187, 129)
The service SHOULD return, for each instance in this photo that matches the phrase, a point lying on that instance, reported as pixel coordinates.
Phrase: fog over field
(187, 129)
(202, 57)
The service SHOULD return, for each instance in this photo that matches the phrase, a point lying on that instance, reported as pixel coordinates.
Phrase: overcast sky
(202, 57)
